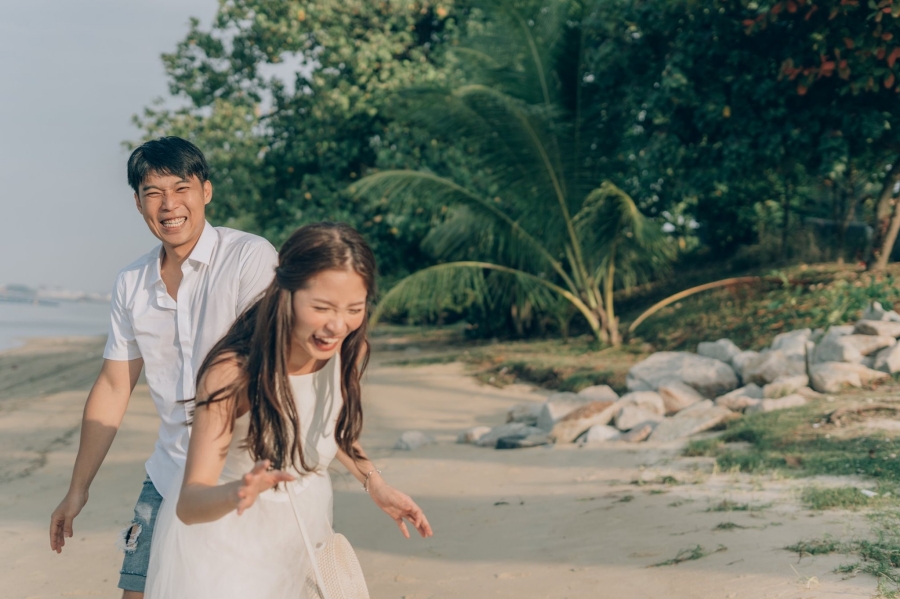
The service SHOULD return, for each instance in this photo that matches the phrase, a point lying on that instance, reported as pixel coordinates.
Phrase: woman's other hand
(257, 481)
(399, 506)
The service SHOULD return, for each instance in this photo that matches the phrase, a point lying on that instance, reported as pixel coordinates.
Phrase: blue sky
(73, 74)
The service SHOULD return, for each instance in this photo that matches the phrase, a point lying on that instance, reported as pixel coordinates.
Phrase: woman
(278, 399)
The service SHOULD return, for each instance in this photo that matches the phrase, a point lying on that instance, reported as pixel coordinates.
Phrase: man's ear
(137, 203)
(207, 191)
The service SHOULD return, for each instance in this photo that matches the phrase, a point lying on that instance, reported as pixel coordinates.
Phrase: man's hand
(399, 506)
(62, 517)
(257, 481)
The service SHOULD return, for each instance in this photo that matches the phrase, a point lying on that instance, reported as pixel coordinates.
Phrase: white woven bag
(335, 572)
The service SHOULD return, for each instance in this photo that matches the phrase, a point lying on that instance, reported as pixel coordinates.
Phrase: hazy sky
(71, 76)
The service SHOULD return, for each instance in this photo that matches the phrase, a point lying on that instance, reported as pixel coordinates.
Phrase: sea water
(21, 321)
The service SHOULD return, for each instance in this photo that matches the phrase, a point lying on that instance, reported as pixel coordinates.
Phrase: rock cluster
(672, 395)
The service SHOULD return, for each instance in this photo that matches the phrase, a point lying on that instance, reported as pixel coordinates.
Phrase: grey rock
(568, 428)
(793, 343)
(639, 433)
(650, 401)
(630, 416)
(558, 406)
(832, 377)
(599, 393)
(599, 433)
(739, 399)
(740, 362)
(526, 412)
(836, 349)
(708, 376)
(816, 336)
(473, 434)
(888, 359)
(770, 365)
(411, 440)
(785, 385)
(869, 361)
(723, 350)
(876, 312)
(884, 328)
(770, 405)
(698, 418)
(677, 396)
(513, 429)
(808, 393)
(522, 442)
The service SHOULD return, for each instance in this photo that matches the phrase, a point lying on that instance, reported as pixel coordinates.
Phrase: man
(168, 309)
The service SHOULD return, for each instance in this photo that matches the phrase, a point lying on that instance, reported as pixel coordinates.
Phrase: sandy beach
(557, 522)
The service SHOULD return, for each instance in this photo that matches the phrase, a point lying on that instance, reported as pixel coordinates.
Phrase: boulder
(557, 406)
(677, 396)
(526, 412)
(869, 361)
(639, 433)
(770, 405)
(568, 428)
(785, 385)
(599, 433)
(522, 442)
(850, 348)
(473, 434)
(411, 440)
(793, 343)
(739, 399)
(513, 429)
(888, 359)
(699, 417)
(808, 393)
(832, 377)
(647, 400)
(740, 362)
(599, 393)
(876, 312)
(882, 328)
(770, 365)
(723, 350)
(708, 376)
(629, 416)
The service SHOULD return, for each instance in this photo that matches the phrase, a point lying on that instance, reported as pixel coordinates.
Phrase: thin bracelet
(366, 482)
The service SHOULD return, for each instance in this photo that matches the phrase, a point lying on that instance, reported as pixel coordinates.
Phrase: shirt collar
(202, 252)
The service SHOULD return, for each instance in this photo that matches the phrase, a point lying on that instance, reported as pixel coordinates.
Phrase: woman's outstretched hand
(257, 481)
(399, 506)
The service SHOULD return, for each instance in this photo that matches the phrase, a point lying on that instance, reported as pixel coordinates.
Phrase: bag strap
(320, 581)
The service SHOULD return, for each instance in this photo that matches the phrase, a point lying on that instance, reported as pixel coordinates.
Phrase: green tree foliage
(287, 99)
(538, 230)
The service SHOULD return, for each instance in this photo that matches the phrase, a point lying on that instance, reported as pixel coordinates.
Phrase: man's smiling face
(174, 208)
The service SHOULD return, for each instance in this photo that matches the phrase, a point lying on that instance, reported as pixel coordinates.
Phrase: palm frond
(418, 188)
(428, 290)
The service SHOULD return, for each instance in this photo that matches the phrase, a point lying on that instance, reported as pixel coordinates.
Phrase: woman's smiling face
(326, 311)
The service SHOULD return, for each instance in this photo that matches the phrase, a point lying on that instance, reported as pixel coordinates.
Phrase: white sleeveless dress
(259, 554)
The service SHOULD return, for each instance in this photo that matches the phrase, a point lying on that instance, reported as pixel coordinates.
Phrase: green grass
(847, 498)
(879, 556)
(689, 554)
(786, 441)
(726, 505)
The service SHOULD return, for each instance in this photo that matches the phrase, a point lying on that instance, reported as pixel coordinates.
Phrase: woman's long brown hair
(260, 340)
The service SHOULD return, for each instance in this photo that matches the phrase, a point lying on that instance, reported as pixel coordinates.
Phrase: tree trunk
(786, 207)
(889, 240)
(883, 220)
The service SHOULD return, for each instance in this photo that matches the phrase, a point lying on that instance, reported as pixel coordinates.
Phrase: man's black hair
(166, 156)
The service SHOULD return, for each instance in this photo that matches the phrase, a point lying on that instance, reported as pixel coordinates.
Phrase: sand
(562, 522)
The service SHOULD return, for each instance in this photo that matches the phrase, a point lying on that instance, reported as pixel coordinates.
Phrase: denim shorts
(135, 539)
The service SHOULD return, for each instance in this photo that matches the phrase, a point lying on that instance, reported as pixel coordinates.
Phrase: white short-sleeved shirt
(225, 273)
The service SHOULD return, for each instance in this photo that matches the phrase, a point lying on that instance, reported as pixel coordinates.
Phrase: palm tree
(541, 229)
